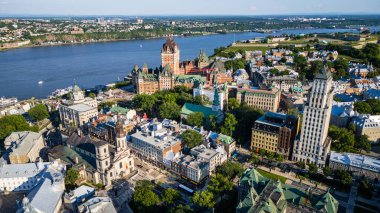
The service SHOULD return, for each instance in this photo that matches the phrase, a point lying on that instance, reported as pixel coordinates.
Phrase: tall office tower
(314, 145)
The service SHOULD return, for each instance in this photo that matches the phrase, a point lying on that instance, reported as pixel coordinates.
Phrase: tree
(180, 209)
(233, 104)
(301, 164)
(201, 100)
(327, 171)
(246, 116)
(191, 138)
(313, 169)
(144, 198)
(219, 184)
(171, 196)
(204, 199)
(270, 155)
(362, 143)
(343, 139)
(280, 158)
(12, 123)
(375, 105)
(92, 95)
(315, 67)
(371, 50)
(363, 107)
(71, 177)
(343, 177)
(230, 170)
(195, 119)
(144, 102)
(228, 126)
(170, 110)
(211, 123)
(39, 112)
(300, 63)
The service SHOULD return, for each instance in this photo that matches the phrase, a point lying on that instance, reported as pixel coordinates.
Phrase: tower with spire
(170, 55)
(216, 102)
(121, 142)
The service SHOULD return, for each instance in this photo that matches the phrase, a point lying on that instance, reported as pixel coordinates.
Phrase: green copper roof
(216, 101)
(225, 139)
(189, 108)
(119, 110)
(260, 194)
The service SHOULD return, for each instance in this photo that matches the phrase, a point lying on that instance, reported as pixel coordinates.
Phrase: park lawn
(247, 48)
(271, 175)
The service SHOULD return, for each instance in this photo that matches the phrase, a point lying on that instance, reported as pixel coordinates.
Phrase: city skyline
(196, 7)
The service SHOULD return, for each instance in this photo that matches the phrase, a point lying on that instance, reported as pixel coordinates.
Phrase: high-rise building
(170, 55)
(314, 144)
(274, 132)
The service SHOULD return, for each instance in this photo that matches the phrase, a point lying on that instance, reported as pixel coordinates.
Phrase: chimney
(76, 160)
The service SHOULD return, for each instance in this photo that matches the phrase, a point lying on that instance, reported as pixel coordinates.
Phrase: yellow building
(268, 100)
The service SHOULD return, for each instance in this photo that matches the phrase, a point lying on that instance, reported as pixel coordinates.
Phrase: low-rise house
(358, 165)
(209, 155)
(226, 141)
(191, 168)
(23, 147)
(98, 205)
(77, 197)
(368, 125)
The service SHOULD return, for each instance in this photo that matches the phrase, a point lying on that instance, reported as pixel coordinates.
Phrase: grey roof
(24, 141)
(46, 196)
(356, 160)
(99, 205)
(81, 107)
(20, 170)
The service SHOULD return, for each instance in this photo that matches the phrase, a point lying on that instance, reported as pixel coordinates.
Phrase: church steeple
(216, 101)
(120, 135)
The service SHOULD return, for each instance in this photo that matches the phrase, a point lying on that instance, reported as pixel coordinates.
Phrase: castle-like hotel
(174, 73)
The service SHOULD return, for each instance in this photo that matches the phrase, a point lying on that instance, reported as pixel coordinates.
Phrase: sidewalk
(291, 178)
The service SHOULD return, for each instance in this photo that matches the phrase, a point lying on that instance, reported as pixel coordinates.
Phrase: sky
(188, 7)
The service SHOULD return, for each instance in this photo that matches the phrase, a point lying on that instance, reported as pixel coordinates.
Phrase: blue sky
(188, 7)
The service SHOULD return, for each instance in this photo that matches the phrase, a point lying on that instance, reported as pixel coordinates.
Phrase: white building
(157, 144)
(213, 157)
(98, 205)
(78, 110)
(20, 177)
(191, 168)
(210, 94)
(359, 165)
(47, 195)
(368, 125)
(314, 145)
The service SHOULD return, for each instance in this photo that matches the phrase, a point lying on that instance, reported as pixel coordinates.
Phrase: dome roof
(77, 88)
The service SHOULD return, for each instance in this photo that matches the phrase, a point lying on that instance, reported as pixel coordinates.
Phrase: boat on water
(40, 82)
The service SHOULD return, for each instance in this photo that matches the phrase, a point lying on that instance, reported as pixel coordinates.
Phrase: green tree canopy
(233, 104)
(12, 123)
(313, 169)
(211, 123)
(201, 100)
(219, 184)
(229, 124)
(39, 112)
(230, 170)
(191, 138)
(71, 177)
(363, 107)
(362, 143)
(144, 102)
(144, 198)
(343, 139)
(171, 196)
(204, 199)
(170, 110)
(246, 116)
(195, 119)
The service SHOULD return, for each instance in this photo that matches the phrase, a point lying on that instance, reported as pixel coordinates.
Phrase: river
(99, 63)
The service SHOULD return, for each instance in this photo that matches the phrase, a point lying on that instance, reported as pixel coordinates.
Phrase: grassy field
(247, 48)
(271, 175)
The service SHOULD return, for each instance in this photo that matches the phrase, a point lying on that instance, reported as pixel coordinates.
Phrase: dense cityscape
(274, 123)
